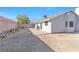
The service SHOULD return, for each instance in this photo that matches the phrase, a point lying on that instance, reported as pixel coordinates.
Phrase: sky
(34, 13)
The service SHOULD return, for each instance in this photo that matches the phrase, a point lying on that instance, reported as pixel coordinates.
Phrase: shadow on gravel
(23, 41)
(44, 45)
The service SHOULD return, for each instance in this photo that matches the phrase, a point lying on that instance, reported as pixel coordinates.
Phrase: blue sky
(34, 13)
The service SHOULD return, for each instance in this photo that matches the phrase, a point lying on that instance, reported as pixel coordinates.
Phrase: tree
(23, 19)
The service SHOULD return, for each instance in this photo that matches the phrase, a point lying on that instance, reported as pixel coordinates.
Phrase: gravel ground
(23, 41)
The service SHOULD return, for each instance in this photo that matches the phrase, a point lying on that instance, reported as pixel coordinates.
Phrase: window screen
(71, 24)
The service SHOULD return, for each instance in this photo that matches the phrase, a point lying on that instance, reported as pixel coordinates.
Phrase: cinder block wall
(6, 24)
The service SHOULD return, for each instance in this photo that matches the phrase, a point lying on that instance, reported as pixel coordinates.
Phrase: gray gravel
(23, 41)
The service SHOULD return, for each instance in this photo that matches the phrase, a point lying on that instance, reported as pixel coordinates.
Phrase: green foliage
(23, 19)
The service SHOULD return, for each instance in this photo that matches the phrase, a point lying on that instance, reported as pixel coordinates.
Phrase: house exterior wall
(58, 23)
(77, 23)
(46, 28)
(38, 25)
(72, 17)
(35, 26)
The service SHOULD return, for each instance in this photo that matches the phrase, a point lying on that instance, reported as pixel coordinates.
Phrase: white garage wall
(46, 28)
(38, 24)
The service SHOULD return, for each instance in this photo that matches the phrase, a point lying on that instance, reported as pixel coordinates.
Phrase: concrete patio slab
(61, 42)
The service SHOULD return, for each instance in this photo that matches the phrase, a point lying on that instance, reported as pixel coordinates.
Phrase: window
(66, 23)
(71, 23)
(46, 23)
